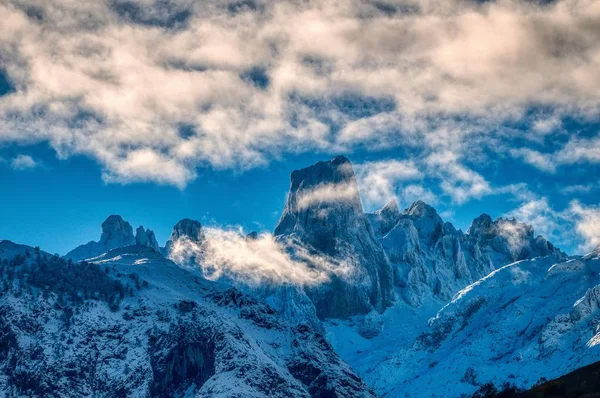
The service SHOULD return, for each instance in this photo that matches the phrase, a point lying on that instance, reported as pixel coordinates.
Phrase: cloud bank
(256, 261)
(152, 90)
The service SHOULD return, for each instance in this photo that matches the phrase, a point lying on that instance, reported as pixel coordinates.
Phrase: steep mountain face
(133, 323)
(432, 259)
(384, 219)
(530, 319)
(146, 237)
(527, 320)
(323, 212)
(116, 232)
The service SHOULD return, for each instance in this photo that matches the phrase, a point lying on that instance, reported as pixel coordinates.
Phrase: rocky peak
(323, 197)
(323, 211)
(191, 229)
(510, 238)
(186, 228)
(146, 237)
(384, 219)
(426, 220)
(116, 232)
(390, 209)
(480, 225)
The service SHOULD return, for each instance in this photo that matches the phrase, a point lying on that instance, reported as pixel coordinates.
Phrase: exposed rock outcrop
(146, 237)
(433, 259)
(323, 212)
(116, 232)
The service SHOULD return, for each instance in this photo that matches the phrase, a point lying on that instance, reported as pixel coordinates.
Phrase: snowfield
(527, 320)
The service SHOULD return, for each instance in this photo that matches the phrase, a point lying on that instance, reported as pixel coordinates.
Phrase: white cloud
(537, 159)
(587, 223)
(23, 162)
(228, 254)
(328, 193)
(545, 220)
(379, 181)
(579, 188)
(577, 226)
(576, 150)
(459, 182)
(413, 192)
(132, 85)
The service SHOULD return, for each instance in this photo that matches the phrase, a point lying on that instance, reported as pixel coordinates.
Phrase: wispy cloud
(380, 181)
(253, 82)
(328, 193)
(578, 225)
(577, 150)
(23, 162)
(587, 223)
(228, 254)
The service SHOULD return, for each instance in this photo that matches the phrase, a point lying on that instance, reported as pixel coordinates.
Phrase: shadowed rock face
(323, 211)
(116, 232)
(186, 228)
(146, 237)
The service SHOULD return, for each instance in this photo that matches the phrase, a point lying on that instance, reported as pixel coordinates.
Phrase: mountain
(323, 212)
(9, 250)
(411, 304)
(530, 319)
(384, 219)
(431, 259)
(116, 232)
(132, 323)
(146, 237)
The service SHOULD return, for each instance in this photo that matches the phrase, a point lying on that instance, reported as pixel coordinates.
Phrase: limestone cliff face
(432, 259)
(323, 212)
(146, 237)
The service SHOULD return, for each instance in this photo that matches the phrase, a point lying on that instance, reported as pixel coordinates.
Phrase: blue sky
(159, 110)
(59, 204)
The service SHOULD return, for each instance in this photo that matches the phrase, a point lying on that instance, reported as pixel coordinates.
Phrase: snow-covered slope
(323, 211)
(530, 319)
(135, 324)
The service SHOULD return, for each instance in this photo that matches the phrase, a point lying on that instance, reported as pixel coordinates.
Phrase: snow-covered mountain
(323, 211)
(133, 323)
(433, 259)
(530, 319)
(411, 304)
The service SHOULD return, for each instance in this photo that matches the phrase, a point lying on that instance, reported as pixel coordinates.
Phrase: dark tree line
(72, 283)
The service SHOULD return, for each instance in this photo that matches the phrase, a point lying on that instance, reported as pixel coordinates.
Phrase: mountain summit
(116, 232)
(323, 211)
